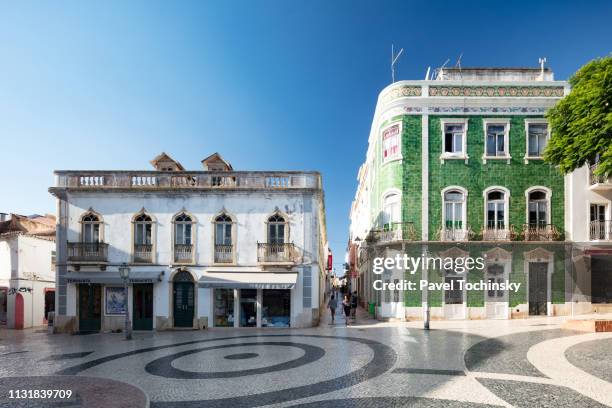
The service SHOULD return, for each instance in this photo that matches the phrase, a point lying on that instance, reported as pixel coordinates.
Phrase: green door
(183, 304)
(143, 306)
(90, 307)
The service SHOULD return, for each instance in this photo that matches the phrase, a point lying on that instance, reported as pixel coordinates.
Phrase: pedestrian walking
(346, 305)
(332, 305)
(354, 306)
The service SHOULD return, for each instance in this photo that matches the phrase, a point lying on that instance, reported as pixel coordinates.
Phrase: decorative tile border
(417, 110)
(401, 92)
(486, 109)
(496, 91)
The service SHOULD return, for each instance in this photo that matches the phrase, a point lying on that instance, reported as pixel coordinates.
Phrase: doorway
(496, 301)
(3, 305)
(538, 288)
(142, 306)
(183, 300)
(248, 308)
(49, 303)
(90, 307)
(601, 279)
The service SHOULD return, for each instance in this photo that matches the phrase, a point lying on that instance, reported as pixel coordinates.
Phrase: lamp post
(427, 311)
(124, 272)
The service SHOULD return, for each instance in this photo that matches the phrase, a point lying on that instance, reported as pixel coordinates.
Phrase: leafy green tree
(581, 122)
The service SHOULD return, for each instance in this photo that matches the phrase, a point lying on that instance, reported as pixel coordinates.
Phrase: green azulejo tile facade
(454, 169)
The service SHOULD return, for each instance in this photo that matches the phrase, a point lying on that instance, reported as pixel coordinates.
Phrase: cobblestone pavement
(523, 363)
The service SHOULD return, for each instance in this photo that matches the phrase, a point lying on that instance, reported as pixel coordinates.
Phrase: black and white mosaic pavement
(388, 366)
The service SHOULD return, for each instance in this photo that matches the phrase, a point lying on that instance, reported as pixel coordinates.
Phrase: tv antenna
(394, 59)
(542, 61)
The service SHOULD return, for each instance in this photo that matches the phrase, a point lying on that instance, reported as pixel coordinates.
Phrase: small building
(27, 270)
(588, 223)
(210, 248)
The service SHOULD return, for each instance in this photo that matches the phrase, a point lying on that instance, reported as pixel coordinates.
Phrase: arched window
(91, 226)
(143, 226)
(496, 210)
(391, 209)
(224, 248)
(143, 238)
(276, 229)
(182, 229)
(537, 207)
(454, 205)
(183, 238)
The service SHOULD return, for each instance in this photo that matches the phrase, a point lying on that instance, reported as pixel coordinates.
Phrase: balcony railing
(87, 252)
(600, 230)
(143, 253)
(454, 234)
(275, 253)
(224, 253)
(497, 234)
(397, 231)
(183, 253)
(540, 232)
(197, 180)
(598, 179)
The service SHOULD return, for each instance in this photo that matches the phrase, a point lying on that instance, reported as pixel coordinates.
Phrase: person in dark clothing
(354, 305)
(332, 305)
(346, 305)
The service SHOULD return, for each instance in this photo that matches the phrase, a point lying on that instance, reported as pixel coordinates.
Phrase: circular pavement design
(383, 359)
(594, 357)
(241, 356)
(163, 366)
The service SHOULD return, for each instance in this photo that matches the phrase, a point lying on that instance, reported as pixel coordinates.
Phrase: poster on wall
(115, 301)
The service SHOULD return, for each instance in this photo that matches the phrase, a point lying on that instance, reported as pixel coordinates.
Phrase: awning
(112, 278)
(248, 280)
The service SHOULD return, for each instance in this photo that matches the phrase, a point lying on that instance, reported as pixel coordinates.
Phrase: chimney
(3, 216)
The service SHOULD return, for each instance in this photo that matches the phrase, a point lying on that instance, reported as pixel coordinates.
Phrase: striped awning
(248, 280)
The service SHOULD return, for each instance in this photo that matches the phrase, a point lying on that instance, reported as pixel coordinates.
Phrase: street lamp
(124, 272)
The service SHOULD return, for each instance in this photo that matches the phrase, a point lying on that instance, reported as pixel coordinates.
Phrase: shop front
(102, 300)
(257, 299)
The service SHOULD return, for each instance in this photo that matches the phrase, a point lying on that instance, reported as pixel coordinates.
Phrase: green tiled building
(454, 168)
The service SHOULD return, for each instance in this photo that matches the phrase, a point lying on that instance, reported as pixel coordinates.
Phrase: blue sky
(271, 85)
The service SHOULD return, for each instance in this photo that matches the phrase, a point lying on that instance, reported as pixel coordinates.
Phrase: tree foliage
(581, 122)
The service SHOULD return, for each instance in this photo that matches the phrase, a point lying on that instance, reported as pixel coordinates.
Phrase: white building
(206, 248)
(27, 275)
(588, 222)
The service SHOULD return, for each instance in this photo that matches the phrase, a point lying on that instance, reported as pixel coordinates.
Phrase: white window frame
(454, 156)
(385, 197)
(548, 192)
(398, 156)
(534, 121)
(506, 123)
(506, 192)
(464, 191)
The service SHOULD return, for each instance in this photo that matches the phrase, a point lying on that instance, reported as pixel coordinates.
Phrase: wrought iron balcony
(541, 232)
(224, 253)
(600, 230)
(599, 182)
(454, 234)
(183, 253)
(87, 252)
(275, 253)
(397, 231)
(143, 253)
(497, 234)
